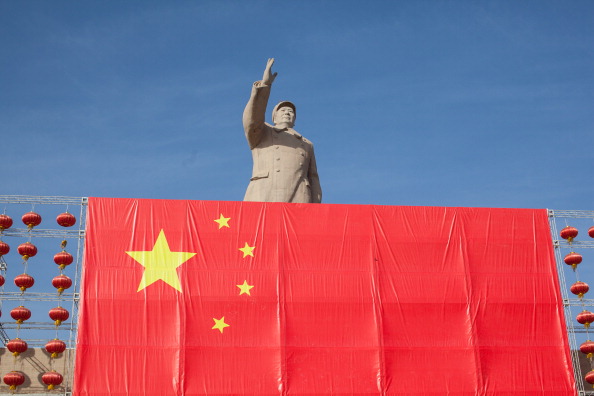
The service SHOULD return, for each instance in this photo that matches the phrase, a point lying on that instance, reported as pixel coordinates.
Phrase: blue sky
(441, 103)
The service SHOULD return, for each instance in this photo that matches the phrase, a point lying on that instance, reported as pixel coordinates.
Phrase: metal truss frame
(570, 300)
(71, 298)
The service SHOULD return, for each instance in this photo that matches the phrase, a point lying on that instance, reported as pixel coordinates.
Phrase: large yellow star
(220, 324)
(245, 288)
(247, 250)
(160, 263)
(223, 221)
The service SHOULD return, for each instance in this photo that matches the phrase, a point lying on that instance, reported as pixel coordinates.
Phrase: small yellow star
(160, 263)
(247, 250)
(220, 324)
(245, 288)
(223, 221)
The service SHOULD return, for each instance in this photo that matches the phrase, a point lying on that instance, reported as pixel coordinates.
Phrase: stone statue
(284, 162)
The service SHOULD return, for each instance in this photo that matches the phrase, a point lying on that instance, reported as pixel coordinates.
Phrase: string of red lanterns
(579, 289)
(58, 314)
(25, 281)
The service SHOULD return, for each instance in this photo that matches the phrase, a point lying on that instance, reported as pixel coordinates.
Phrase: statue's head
(284, 114)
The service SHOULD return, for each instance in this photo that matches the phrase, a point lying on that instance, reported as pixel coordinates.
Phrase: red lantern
(31, 219)
(61, 282)
(569, 233)
(51, 379)
(58, 315)
(24, 281)
(20, 314)
(579, 288)
(63, 259)
(2, 280)
(16, 346)
(55, 347)
(4, 248)
(585, 318)
(27, 250)
(14, 379)
(587, 348)
(591, 232)
(590, 377)
(66, 219)
(5, 222)
(573, 259)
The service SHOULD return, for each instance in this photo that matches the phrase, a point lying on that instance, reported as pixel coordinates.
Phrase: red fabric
(347, 300)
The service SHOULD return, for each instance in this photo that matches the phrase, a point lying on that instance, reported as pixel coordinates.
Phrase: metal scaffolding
(581, 219)
(49, 235)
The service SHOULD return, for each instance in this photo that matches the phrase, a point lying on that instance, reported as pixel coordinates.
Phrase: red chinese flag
(221, 298)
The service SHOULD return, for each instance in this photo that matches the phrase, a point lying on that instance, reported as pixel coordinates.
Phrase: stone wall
(34, 363)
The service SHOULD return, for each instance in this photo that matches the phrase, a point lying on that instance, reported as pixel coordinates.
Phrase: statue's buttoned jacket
(284, 167)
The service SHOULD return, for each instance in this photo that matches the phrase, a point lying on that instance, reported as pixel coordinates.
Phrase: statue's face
(285, 115)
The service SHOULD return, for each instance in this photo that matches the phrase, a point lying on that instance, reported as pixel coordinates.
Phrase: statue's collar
(288, 130)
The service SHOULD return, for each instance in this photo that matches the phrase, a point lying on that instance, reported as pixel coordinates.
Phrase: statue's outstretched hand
(269, 77)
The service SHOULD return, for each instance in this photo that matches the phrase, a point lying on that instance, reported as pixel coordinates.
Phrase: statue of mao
(284, 162)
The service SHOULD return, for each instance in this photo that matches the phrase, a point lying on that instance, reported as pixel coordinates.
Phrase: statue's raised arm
(255, 111)
(284, 161)
(268, 77)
